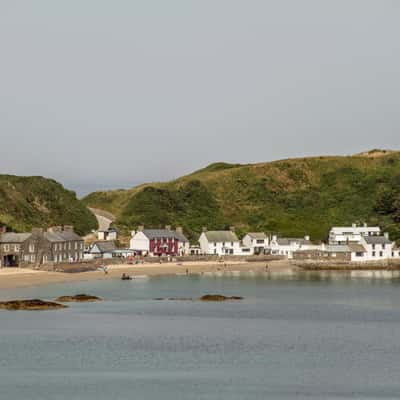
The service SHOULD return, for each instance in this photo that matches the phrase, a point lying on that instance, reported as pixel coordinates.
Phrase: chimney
(204, 229)
(37, 231)
(354, 225)
(54, 229)
(3, 229)
(133, 233)
(179, 229)
(306, 237)
(274, 238)
(168, 227)
(365, 225)
(386, 234)
(68, 228)
(232, 228)
(140, 228)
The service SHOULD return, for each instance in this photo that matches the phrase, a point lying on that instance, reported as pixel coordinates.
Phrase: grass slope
(293, 197)
(27, 202)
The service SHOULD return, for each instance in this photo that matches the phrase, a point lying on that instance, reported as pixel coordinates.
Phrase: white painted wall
(340, 235)
(377, 252)
(248, 241)
(219, 248)
(139, 242)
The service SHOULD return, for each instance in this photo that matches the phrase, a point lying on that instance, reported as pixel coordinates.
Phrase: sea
(306, 336)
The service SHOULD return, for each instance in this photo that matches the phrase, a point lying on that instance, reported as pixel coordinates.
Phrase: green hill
(292, 197)
(27, 202)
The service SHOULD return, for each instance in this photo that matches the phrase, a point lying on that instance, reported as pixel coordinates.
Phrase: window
(373, 247)
(260, 241)
(359, 254)
(384, 246)
(373, 253)
(6, 247)
(381, 254)
(16, 247)
(31, 248)
(232, 244)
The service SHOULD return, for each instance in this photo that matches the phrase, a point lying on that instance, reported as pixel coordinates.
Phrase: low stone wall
(337, 266)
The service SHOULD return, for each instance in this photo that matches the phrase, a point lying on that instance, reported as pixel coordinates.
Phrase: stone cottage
(56, 245)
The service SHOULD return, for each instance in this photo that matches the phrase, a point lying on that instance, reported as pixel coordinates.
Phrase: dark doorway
(10, 261)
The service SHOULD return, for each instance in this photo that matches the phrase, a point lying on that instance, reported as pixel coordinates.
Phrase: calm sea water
(298, 338)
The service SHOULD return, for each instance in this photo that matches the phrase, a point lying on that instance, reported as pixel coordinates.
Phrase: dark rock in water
(219, 297)
(79, 298)
(208, 297)
(30, 305)
(180, 299)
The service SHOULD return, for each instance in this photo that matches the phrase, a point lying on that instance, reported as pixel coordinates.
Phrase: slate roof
(338, 248)
(377, 240)
(357, 248)
(221, 236)
(164, 233)
(288, 241)
(62, 236)
(11, 237)
(257, 235)
(105, 246)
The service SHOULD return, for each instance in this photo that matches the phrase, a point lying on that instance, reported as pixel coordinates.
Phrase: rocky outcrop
(78, 298)
(208, 297)
(219, 297)
(30, 305)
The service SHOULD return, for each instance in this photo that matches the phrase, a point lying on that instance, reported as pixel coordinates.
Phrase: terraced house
(38, 247)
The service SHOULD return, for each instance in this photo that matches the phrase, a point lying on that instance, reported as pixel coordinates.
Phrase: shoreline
(12, 278)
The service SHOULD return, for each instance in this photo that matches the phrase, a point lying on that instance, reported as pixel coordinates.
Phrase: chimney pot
(204, 229)
(140, 228)
(37, 231)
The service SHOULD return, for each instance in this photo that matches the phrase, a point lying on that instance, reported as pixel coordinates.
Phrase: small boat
(126, 277)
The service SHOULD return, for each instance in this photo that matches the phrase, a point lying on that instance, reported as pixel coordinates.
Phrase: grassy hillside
(293, 197)
(27, 202)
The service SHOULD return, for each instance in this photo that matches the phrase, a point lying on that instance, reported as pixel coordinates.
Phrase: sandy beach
(22, 277)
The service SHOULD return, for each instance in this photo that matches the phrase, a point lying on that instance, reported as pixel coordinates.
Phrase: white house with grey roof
(257, 241)
(287, 246)
(222, 243)
(378, 247)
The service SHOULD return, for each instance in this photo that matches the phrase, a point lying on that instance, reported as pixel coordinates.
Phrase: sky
(115, 93)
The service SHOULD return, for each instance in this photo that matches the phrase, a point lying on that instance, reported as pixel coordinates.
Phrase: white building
(109, 234)
(354, 233)
(287, 246)
(257, 241)
(222, 243)
(377, 247)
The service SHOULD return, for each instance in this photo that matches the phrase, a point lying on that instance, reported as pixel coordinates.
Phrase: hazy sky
(124, 91)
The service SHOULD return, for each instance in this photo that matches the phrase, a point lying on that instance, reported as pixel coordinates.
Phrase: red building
(160, 242)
